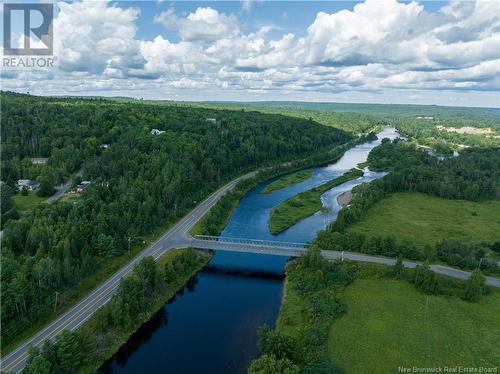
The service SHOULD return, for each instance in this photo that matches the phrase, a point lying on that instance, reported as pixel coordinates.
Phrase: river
(210, 325)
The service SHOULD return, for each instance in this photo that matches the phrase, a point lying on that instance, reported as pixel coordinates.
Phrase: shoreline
(109, 352)
(283, 292)
(344, 198)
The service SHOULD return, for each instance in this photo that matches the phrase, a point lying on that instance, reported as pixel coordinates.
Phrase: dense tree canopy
(138, 183)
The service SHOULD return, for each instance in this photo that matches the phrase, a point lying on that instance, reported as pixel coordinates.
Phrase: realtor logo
(37, 22)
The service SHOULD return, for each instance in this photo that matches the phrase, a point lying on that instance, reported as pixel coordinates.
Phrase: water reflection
(210, 326)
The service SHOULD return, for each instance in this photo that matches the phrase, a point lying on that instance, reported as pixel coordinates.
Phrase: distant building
(83, 185)
(105, 146)
(27, 184)
(156, 132)
(212, 120)
(39, 160)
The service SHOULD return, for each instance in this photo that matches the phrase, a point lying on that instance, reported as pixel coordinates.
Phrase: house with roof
(39, 160)
(27, 184)
(83, 185)
(156, 132)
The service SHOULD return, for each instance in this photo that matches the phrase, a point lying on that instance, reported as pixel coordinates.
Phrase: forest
(139, 183)
(298, 344)
(149, 284)
(423, 123)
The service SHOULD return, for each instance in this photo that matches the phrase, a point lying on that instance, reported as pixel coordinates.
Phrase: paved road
(175, 237)
(440, 269)
(178, 237)
(282, 249)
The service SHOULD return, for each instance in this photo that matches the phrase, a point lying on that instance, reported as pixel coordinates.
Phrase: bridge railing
(256, 242)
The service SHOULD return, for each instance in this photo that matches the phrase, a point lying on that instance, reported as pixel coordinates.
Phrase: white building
(27, 184)
(156, 132)
(83, 185)
(39, 160)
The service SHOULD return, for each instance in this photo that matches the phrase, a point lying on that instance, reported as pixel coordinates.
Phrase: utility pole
(55, 303)
(480, 262)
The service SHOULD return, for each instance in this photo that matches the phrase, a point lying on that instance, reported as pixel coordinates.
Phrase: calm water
(210, 326)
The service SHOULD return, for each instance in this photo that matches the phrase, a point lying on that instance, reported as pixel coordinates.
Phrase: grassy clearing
(426, 219)
(390, 324)
(27, 202)
(287, 180)
(304, 204)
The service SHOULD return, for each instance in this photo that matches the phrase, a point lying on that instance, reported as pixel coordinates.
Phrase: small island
(305, 204)
(287, 180)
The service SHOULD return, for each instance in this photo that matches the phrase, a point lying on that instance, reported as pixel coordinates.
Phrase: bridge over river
(178, 237)
(288, 249)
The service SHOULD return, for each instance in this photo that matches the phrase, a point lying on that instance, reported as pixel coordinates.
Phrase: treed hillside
(138, 183)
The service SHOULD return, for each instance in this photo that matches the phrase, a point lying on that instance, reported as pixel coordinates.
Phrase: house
(105, 146)
(27, 184)
(39, 160)
(212, 120)
(156, 132)
(83, 185)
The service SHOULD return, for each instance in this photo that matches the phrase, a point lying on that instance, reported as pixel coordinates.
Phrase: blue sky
(288, 16)
(381, 51)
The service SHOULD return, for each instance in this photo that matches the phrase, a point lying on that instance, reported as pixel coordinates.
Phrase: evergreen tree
(425, 279)
(277, 344)
(69, 352)
(398, 269)
(474, 286)
(269, 364)
(38, 365)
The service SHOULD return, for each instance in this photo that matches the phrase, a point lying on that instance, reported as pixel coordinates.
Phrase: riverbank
(344, 198)
(216, 219)
(109, 342)
(305, 204)
(287, 180)
(249, 285)
(371, 308)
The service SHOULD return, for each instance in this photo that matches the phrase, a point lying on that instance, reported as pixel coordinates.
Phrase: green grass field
(390, 324)
(304, 204)
(27, 202)
(287, 180)
(427, 219)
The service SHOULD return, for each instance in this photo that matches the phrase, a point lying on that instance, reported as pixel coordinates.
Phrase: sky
(376, 51)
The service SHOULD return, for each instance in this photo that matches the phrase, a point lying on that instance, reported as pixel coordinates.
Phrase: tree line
(139, 183)
(319, 284)
(474, 175)
(85, 349)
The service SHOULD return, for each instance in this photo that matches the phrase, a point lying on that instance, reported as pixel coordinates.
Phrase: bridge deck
(249, 246)
(277, 248)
